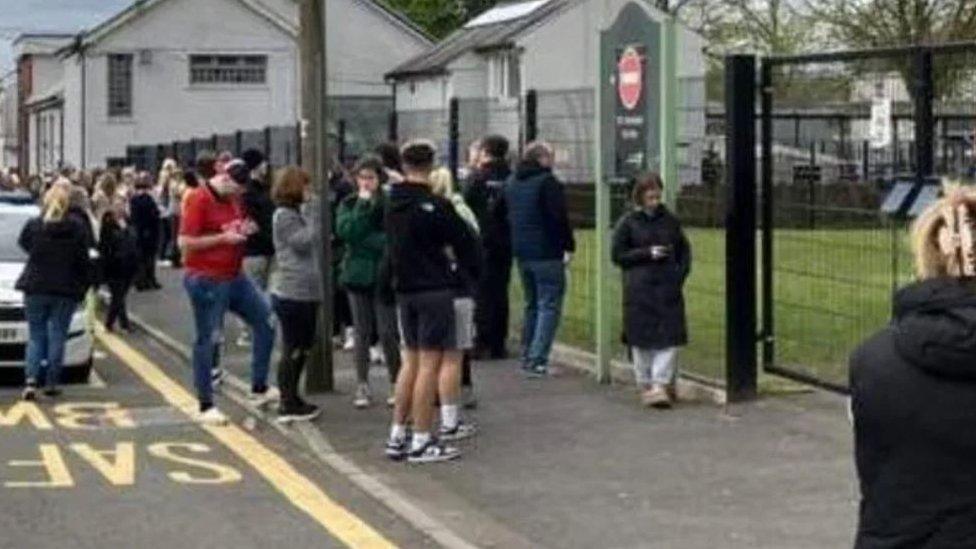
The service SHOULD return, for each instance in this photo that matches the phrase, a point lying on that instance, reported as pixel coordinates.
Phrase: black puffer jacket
(484, 193)
(58, 261)
(654, 306)
(260, 208)
(913, 388)
(423, 229)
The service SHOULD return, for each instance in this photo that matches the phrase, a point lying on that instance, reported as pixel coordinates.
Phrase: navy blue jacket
(537, 215)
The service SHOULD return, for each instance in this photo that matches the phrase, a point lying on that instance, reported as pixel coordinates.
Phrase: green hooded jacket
(359, 223)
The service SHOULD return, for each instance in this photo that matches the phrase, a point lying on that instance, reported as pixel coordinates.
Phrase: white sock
(398, 432)
(449, 416)
(419, 441)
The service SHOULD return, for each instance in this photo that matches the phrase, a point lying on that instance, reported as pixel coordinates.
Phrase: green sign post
(636, 131)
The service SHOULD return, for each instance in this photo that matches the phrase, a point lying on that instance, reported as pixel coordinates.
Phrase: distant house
(8, 120)
(163, 70)
(39, 101)
(551, 47)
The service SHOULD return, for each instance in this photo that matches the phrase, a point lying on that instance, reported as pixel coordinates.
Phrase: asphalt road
(119, 463)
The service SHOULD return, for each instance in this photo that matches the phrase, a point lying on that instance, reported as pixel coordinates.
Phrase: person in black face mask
(913, 395)
(653, 252)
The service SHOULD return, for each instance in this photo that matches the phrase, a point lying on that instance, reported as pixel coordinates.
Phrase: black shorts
(427, 320)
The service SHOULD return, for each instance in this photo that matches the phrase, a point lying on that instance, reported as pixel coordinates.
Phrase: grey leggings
(373, 319)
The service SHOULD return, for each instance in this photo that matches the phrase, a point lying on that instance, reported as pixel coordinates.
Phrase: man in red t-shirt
(213, 230)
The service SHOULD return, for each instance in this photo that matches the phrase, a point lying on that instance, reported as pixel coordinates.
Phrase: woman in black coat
(54, 281)
(118, 250)
(913, 396)
(653, 252)
(144, 215)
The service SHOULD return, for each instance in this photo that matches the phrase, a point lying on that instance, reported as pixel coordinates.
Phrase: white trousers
(655, 366)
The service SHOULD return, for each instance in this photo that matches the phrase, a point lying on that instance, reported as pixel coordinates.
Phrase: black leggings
(119, 289)
(298, 323)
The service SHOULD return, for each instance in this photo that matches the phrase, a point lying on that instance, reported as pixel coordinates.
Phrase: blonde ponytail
(55, 204)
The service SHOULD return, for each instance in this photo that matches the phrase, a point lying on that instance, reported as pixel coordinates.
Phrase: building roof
(141, 7)
(480, 37)
(40, 42)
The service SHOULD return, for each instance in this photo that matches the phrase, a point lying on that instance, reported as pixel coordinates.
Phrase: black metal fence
(360, 124)
(830, 258)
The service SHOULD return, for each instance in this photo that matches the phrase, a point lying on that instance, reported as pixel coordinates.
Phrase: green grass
(832, 288)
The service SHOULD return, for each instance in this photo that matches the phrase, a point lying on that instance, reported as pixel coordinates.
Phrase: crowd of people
(422, 267)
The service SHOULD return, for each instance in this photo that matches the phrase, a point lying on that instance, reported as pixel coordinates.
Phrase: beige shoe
(658, 398)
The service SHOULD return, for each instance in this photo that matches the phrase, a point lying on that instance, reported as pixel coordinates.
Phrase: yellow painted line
(298, 489)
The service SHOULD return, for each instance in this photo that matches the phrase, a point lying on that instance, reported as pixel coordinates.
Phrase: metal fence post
(300, 143)
(393, 129)
(768, 325)
(531, 116)
(924, 119)
(669, 108)
(454, 137)
(740, 240)
(238, 142)
(341, 142)
(866, 159)
(267, 146)
(215, 143)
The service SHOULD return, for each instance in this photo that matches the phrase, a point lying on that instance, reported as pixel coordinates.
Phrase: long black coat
(654, 305)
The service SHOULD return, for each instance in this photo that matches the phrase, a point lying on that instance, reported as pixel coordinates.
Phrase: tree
(878, 23)
(441, 17)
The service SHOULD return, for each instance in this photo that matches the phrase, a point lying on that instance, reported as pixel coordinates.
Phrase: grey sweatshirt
(296, 274)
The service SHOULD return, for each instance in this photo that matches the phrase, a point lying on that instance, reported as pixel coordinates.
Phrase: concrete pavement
(569, 463)
(120, 464)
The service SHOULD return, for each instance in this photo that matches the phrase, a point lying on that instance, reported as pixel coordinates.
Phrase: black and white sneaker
(30, 392)
(397, 450)
(302, 412)
(460, 431)
(433, 452)
(217, 376)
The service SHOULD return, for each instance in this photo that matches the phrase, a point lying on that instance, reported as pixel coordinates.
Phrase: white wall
(421, 94)
(47, 74)
(165, 106)
(363, 44)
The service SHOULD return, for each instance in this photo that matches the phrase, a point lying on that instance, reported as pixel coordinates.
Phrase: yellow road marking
(298, 489)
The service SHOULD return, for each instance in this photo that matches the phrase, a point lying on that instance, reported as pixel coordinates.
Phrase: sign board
(805, 174)
(630, 95)
(630, 119)
(881, 126)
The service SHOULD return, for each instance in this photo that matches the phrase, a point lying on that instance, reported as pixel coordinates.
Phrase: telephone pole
(315, 160)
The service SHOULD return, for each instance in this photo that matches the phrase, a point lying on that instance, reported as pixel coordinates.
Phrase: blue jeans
(48, 321)
(211, 299)
(544, 285)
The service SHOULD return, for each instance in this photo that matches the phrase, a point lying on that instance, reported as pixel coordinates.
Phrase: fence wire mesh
(836, 257)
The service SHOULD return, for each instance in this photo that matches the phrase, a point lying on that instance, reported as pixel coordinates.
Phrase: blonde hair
(942, 237)
(55, 203)
(441, 182)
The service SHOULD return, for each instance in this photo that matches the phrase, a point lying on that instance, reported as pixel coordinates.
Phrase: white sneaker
(363, 398)
(391, 400)
(260, 400)
(217, 376)
(376, 356)
(350, 340)
(212, 416)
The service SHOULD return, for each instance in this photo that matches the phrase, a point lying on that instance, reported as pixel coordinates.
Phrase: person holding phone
(213, 230)
(651, 249)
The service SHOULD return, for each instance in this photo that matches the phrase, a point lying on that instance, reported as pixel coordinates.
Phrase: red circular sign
(630, 78)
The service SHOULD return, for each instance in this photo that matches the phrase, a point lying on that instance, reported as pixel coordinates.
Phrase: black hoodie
(913, 396)
(422, 230)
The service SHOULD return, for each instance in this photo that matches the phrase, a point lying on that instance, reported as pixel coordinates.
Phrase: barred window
(228, 69)
(120, 84)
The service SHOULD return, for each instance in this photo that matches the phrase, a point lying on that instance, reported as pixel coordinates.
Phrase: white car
(13, 324)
